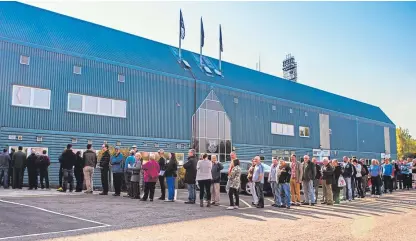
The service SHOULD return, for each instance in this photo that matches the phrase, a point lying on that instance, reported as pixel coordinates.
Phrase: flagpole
(220, 49)
(200, 45)
(180, 37)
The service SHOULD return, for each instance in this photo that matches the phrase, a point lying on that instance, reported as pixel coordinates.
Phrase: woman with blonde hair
(204, 177)
(135, 176)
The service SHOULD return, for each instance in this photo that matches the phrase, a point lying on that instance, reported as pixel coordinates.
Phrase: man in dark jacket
(90, 162)
(43, 164)
(216, 178)
(4, 168)
(190, 176)
(68, 159)
(78, 172)
(309, 173)
(19, 165)
(347, 174)
(11, 167)
(105, 169)
(317, 179)
(32, 170)
(328, 178)
(162, 165)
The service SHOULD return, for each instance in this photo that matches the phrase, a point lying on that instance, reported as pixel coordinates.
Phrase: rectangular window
(121, 78)
(77, 69)
(282, 129)
(303, 131)
(96, 105)
(24, 60)
(31, 97)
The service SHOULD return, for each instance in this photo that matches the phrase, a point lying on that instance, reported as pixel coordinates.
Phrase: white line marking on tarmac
(246, 203)
(40, 234)
(61, 214)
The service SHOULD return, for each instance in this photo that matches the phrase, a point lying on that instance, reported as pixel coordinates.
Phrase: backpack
(363, 171)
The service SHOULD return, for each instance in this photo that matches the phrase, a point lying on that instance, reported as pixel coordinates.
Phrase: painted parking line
(100, 225)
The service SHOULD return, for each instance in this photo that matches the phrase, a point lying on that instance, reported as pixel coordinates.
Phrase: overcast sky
(363, 50)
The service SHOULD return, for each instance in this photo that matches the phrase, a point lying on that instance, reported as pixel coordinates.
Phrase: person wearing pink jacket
(151, 173)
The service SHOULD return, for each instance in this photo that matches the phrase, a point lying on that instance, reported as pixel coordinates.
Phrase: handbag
(341, 182)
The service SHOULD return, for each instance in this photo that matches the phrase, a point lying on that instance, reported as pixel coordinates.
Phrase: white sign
(12, 137)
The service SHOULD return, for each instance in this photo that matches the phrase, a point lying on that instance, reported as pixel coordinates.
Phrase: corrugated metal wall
(161, 106)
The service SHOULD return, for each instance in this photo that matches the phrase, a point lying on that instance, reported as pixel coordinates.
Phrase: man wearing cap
(162, 165)
(134, 149)
(117, 170)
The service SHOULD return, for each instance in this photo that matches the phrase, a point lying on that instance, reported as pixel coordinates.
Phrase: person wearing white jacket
(204, 177)
(274, 181)
(358, 178)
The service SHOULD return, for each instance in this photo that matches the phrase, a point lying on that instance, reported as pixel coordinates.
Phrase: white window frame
(83, 111)
(304, 128)
(31, 102)
(121, 78)
(21, 59)
(282, 129)
(80, 70)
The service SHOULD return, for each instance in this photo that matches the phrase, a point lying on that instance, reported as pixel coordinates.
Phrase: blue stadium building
(64, 80)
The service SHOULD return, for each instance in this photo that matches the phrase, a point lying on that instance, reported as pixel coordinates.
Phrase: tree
(405, 143)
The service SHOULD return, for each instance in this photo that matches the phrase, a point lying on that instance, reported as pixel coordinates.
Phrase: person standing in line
(216, 178)
(358, 178)
(190, 176)
(4, 168)
(409, 166)
(130, 161)
(252, 184)
(171, 174)
(32, 171)
(317, 178)
(105, 169)
(43, 165)
(258, 179)
(375, 171)
(90, 162)
(134, 149)
(61, 174)
(395, 174)
(117, 170)
(10, 172)
(204, 177)
(387, 170)
(19, 164)
(135, 176)
(414, 173)
(162, 165)
(309, 173)
(274, 181)
(234, 178)
(295, 179)
(151, 174)
(364, 173)
(68, 160)
(328, 178)
(284, 173)
(347, 174)
(400, 178)
(335, 188)
(78, 172)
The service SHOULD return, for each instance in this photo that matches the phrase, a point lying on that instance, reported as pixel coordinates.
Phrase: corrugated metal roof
(33, 25)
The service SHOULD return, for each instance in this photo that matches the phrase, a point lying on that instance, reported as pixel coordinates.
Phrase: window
(31, 97)
(290, 111)
(306, 114)
(218, 72)
(207, 70)
(24, 60)
(96, 105)
(282, 129)
(273, 107)
(186, 64)
(121, 78)
(303, 131)
(236, 100)
(77, 69)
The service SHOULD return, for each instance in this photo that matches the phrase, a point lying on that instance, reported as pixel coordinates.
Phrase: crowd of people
(340, 181)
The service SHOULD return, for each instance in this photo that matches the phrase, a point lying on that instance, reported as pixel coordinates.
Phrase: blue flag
(202, 34)
(182, 26)
(221, 48)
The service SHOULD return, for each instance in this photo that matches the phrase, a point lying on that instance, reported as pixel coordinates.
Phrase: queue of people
(343, 181)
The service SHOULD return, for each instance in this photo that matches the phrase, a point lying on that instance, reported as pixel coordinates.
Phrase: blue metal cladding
(370, 138)
(343, 133)
(68, 35)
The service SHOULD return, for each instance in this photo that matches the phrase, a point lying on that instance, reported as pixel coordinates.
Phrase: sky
(362, 50)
